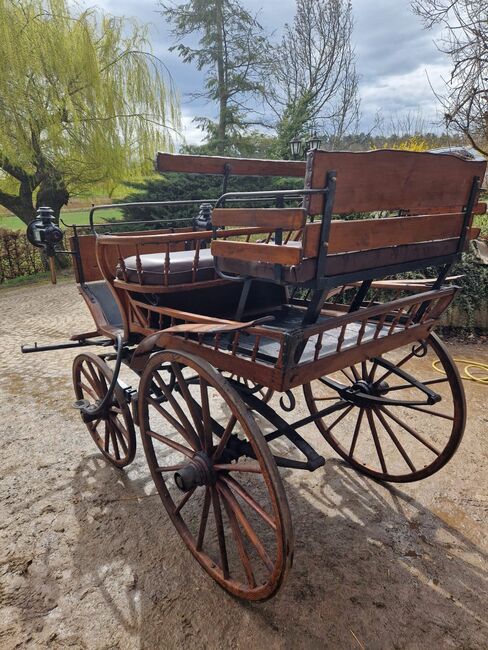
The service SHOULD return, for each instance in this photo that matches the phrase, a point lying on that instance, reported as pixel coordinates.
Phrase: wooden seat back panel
(351, 236)
(267, 253)
(390, 180)
(189, 164)
(284, 218)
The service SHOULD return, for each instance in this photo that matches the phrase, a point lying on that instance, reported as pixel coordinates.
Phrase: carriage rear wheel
(386, 424)
(113, 432)
(215, 475)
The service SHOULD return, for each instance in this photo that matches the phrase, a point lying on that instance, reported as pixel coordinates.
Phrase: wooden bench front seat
(436, 195)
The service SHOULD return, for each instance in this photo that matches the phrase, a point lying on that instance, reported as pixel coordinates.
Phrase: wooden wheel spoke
(246, 525)
(106, 445)
(184, 500)
(348, 376)
(113, 436)
(341, 416)
(241, 547)
(225, 436)
(172, 420)
(413, 433)
(253, 468)
(190, 401)
(406, 358)
(424, 410)
(122, 437)
(376, 439)
(397, 443)
(118, 424)
(372, 371)
(207, 423)
(88, 390)
(364, 370)
(103, 381)
(429, 382)
(171, 443)
(92, 379)
(251, 502)
(355, 373)
(203, 519)
(355, 435)
(220, 531)
(191, 437)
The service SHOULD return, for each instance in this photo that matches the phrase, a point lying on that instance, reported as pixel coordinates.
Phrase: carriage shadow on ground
(373, 568)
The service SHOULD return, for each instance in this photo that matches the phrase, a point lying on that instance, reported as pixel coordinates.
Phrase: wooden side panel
(286, 218)
(268, 253)
(391, 180)
(361, 235)
(168, 162)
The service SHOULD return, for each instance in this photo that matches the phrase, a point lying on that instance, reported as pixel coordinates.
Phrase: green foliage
(232, 50)
(17, 257)
(82, 101)
(171, 187)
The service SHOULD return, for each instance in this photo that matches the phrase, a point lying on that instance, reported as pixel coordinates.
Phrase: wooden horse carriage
(221, 321)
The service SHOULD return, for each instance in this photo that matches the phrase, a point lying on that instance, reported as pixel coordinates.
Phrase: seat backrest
(220, 165)
(435, 194)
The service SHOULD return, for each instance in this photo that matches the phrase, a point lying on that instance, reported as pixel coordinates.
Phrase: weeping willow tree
(82, 101)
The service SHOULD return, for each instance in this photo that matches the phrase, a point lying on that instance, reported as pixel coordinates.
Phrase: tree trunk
(53, 194)
(222, 86)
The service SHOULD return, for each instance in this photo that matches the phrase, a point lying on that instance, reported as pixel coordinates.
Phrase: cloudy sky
(396, 57)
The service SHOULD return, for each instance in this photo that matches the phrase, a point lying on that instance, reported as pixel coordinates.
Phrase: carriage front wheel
(113, 432)
(215, 475)
(397, 419)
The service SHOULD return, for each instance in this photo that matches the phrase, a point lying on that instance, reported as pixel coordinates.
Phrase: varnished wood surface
(285, 218)
(391, 180)
(189, 164)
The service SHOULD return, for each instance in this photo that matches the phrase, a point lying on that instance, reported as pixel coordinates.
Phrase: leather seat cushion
(180, 264)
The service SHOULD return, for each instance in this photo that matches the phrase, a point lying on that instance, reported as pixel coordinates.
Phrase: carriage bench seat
(151, 268)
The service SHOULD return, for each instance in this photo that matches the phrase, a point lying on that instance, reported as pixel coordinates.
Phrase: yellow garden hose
(466, 374)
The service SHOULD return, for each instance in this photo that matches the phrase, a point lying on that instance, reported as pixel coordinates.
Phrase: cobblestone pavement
(88, 558)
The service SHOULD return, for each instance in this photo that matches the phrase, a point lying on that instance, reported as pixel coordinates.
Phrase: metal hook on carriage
(291, 406)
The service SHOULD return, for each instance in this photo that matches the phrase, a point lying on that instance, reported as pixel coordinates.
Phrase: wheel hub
(359, 392)
(198, 471)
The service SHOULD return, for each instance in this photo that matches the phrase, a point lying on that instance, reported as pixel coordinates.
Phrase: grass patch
(64, 275)
(77, 217)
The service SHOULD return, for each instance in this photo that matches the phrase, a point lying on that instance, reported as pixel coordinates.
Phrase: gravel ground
(89, 559)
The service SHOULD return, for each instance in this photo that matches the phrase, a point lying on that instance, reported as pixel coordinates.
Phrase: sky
(397, 59)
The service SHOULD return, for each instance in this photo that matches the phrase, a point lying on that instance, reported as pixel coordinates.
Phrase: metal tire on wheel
(113, 432)
(230, 509)
(398, 442)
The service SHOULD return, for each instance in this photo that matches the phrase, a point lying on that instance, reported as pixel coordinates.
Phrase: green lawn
(78, 217)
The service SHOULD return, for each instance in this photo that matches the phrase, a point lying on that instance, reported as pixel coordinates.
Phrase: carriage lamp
(203, 220)
(313, 142)
(43, 233)
(296, 147)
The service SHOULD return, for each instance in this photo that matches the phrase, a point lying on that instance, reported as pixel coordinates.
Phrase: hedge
(17, 256)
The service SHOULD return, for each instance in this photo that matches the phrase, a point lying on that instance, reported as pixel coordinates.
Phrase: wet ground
(89, 559)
